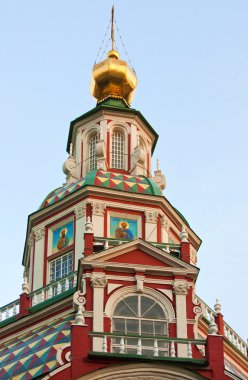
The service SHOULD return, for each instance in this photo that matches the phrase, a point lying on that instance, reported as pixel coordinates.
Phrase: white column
(181, 290)
(98, 209)
(80, 211)
(98, 282)
(38, 268)
(151, 225)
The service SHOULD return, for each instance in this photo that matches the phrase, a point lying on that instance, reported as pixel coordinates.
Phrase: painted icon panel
(63, 237)
(122, 228)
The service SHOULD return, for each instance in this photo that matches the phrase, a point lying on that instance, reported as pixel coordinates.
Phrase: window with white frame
(118, 160)
(92, 152)
(141, 315)
(61, 267)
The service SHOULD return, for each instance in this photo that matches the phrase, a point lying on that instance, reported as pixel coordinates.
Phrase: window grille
(61, 267)
(117, 150)
(140, 315)
(92, 152)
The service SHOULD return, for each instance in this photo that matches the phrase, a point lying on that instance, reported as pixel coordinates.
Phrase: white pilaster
(181, 290)
(39, 234)
(98, 282)
(80, 212)
(98, 209)
(165, 229)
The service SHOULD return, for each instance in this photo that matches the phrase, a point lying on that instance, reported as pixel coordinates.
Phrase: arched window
(92, 152)
(142, 315)
(118, 150)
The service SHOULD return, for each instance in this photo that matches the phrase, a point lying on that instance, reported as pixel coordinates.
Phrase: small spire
(217, 306)
(112, 27)
(79, 320)
(213, 328)
(25, 285)
(184, 235)
(88, 225)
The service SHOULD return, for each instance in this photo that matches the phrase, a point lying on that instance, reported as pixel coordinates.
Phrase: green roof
(109, 180)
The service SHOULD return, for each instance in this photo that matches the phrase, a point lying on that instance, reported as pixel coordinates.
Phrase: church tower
(111, 266)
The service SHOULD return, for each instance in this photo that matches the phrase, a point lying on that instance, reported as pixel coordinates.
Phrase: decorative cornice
(151, 216)
(39, 233)
(181, 287)
(98, 208)
(98, 282)
(80, 211)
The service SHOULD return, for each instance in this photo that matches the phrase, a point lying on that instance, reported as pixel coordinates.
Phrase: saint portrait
(122, 228)
(63, 237)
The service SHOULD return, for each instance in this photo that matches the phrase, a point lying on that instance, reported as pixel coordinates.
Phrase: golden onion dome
(113, 78)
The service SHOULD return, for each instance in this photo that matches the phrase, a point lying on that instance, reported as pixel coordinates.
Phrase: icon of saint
(123, 231)
(63, 240)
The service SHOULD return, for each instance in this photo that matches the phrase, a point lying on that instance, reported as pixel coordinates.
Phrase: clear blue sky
(191, 59)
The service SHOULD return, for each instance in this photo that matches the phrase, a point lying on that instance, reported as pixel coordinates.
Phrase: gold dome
(113, 78)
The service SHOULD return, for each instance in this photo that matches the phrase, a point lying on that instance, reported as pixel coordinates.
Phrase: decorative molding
(181, 287)
(98, 208)
(151, 216)
(39, 233)
(80, 211)
(98, 282)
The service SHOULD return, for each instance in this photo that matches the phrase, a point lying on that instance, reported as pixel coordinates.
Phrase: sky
(191, 59)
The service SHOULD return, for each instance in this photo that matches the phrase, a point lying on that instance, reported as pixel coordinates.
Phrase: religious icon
(63, 237)
(121, 228)
(63, 240)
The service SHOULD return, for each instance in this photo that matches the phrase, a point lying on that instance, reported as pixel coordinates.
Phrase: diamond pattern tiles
(34, 353)
(123, 182)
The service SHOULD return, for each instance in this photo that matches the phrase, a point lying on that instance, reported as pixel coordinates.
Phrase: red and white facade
(131, 302)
